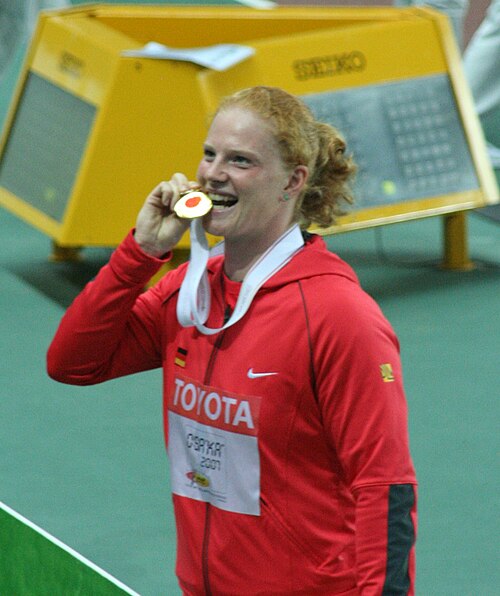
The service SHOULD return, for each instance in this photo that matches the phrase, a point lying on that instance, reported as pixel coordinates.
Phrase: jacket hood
(313, 260)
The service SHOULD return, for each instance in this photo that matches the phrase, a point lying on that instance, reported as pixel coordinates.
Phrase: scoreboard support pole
(455, 241)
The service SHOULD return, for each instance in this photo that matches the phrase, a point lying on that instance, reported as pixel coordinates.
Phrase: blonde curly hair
(304, 141)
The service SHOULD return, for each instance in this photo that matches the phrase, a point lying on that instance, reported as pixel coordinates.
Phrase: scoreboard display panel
(406, 136)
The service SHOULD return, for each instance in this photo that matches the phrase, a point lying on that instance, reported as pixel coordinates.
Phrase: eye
(208, 154)
(241, 160)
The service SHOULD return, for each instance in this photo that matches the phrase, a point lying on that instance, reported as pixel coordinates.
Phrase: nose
(215, 172)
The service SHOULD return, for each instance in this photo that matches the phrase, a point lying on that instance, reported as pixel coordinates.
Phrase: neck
(236, 265)
(240, 256)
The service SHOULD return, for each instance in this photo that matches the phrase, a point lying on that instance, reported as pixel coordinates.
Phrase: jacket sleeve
(112, 328)
(361, 395)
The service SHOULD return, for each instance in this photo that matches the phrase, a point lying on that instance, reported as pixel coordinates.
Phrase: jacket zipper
(204, 552)
(208, 508)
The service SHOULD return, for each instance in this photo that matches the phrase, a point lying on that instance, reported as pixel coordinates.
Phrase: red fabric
(333, 424)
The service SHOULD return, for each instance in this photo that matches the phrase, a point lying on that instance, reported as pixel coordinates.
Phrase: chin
(212, 228)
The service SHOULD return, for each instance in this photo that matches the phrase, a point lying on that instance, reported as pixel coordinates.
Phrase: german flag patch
(180, 357)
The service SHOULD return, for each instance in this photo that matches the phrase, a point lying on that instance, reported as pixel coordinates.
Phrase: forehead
(241, 127)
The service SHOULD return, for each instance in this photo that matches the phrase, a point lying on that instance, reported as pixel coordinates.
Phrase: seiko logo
(71, 64)
(206, 404)
(329, 66)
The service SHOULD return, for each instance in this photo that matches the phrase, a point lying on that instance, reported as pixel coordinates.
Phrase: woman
(285, 417)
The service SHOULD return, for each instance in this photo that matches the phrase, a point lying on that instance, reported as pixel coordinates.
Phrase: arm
(112, 328)
(365, 414)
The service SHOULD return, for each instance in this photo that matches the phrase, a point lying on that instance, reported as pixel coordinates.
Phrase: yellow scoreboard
(90, 130)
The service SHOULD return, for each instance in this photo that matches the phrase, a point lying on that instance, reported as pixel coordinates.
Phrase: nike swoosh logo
(257, 375)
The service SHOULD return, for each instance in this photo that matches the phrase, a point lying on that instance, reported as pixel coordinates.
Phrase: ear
(297, 181)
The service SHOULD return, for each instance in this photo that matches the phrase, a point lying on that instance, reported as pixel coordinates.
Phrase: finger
(180, 182)
(166, 193)
(194, 186)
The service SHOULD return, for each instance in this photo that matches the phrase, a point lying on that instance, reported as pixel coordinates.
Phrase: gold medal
(192, 203)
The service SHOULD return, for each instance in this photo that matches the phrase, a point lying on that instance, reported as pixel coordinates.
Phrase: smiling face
(244, 175)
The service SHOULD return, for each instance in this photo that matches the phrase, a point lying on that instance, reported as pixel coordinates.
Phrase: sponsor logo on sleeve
(386, 372)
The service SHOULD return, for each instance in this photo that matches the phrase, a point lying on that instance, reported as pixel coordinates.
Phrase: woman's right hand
(158, 229)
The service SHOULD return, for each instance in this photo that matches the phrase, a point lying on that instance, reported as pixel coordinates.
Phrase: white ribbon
(193, 305)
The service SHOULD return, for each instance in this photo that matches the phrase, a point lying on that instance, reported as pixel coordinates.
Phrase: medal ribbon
(193, 305)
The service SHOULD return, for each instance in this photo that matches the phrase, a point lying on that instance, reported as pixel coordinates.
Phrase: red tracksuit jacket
(286, 433)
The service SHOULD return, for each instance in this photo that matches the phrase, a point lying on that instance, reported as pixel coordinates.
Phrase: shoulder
(327, 280)
(330, 296)
(337, 305)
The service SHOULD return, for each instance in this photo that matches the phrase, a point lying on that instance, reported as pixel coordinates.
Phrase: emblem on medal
(192, 203)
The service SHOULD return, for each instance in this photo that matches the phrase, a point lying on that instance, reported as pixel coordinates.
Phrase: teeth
(222, 200)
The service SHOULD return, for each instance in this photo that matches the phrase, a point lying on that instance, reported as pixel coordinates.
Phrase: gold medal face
(193, 204)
